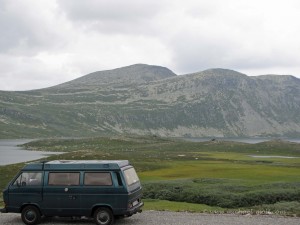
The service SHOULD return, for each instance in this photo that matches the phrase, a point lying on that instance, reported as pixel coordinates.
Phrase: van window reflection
(29, 179)
(62, 178)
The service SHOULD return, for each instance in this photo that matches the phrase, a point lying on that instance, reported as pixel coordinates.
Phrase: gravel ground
(168, 218)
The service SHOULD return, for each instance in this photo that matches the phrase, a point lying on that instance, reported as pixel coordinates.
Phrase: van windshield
(131, 176)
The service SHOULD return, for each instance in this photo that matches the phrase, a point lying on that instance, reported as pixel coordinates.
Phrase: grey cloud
(107, 10)
(47, 42)
(197, 51)
(26, 30)
(234, 42)
(27, 73)
(118, 16)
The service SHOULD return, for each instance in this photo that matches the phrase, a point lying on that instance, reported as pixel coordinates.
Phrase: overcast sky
(47, 42)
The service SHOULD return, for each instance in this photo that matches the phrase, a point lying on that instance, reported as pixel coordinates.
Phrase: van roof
(78, 165)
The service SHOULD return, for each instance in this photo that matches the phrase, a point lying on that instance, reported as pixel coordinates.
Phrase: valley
(216, 175)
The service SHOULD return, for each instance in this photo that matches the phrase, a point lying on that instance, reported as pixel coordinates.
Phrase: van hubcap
(103, 217)
(30, 215)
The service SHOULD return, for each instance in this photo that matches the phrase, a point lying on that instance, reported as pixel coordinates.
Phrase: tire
(31, 215)
(103, 216)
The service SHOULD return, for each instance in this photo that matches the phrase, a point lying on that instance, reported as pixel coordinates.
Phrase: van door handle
(72, 197)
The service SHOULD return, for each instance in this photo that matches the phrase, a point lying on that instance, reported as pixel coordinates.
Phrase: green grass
(188, 176)
(257, 173)
(164, 205)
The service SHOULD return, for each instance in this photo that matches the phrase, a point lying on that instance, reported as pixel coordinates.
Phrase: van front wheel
(103, 216)
(31, 215)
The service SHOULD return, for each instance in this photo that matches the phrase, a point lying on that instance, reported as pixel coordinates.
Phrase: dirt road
(168, 218)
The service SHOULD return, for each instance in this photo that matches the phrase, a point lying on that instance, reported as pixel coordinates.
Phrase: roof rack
(78, 165)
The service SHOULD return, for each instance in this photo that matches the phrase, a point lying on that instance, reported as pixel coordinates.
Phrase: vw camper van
(97, 189)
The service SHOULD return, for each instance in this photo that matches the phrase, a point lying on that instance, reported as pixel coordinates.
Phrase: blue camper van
(97, 189)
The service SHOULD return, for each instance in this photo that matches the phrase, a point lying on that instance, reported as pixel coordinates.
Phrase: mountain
(138, 74)
(144, 99)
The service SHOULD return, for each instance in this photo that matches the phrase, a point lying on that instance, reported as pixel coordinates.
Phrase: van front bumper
(4, 210)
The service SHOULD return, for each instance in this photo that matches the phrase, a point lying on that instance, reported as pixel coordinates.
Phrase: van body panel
(25, 191)
(75, 188)
(95, 196)
(19, 196)
(61, 201)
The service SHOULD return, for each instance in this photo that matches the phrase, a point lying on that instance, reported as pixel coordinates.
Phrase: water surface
(243, 140)
(10, 153)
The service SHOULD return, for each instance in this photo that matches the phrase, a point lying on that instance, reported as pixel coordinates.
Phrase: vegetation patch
(180, 175)
(165, 205)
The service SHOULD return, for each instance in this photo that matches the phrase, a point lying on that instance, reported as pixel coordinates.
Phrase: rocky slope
(143, 99)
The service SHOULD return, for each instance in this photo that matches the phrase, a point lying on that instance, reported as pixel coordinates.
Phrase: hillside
(143, 99)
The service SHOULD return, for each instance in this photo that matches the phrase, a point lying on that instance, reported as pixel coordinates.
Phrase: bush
(219, 195)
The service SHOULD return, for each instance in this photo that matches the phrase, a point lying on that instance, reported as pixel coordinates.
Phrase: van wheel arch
(103, 215)
(30, 204)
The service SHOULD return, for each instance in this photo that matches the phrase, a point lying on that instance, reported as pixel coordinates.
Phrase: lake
(10, 153)
(243, 140)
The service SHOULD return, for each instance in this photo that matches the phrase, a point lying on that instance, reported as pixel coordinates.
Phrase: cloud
(237, 35)
(107, 10)
(30, 26)
(114, 17)
(48, 42)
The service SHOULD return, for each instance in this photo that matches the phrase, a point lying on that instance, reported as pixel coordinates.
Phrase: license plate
(135, 203)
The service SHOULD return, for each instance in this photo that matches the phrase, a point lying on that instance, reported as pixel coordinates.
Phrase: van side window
(100, 179)
(29, 179)
(57, 178)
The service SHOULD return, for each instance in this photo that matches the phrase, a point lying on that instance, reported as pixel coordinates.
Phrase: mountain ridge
(139, 73)
(144, 99)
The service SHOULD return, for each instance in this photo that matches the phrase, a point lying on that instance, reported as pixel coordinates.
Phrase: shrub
(219, 195)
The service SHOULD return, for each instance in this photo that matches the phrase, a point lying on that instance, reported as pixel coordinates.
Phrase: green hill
(144, 99)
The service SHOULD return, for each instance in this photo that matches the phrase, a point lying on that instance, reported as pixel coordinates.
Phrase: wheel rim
(30, 215)
(103, 217)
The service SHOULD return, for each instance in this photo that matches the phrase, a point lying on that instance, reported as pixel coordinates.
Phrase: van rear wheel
(31, 215)
(103, 216)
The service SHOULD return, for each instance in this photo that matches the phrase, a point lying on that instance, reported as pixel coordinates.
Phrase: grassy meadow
(208, 176)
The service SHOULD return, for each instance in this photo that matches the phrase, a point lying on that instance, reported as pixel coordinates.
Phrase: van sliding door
(62, 194)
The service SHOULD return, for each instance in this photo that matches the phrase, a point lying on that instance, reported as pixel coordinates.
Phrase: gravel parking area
(168, 218)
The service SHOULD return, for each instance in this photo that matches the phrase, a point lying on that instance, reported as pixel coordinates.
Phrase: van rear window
(63, 179)
(99, 179)
(130, 176)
